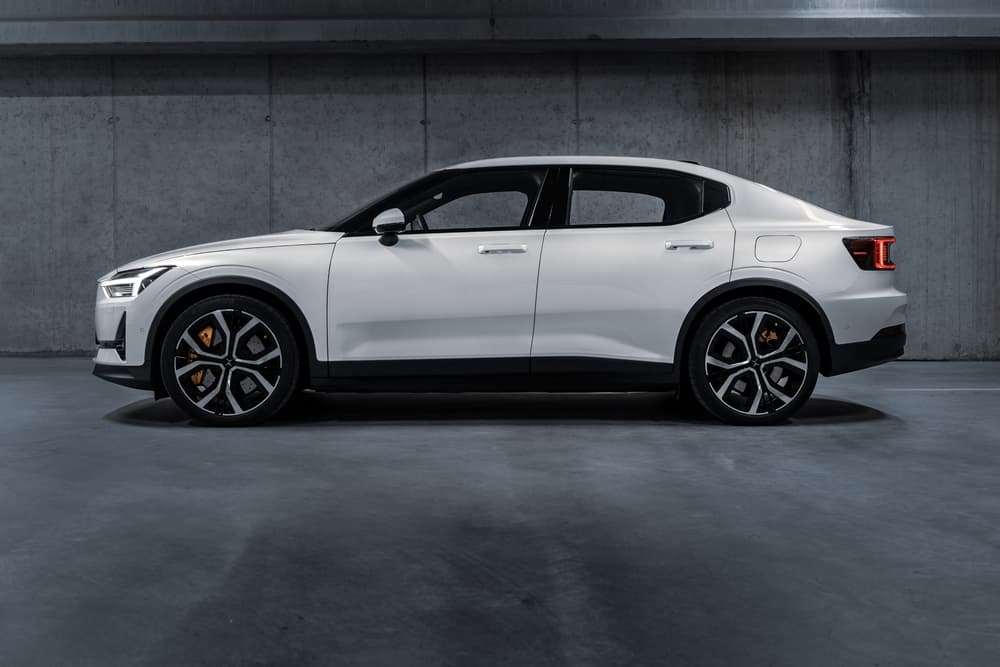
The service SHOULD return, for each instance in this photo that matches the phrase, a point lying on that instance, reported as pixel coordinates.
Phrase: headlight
(126, 284)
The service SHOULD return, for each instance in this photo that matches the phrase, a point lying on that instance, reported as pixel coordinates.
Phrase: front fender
(296, 276)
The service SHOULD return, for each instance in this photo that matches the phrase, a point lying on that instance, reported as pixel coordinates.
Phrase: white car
(518, 274)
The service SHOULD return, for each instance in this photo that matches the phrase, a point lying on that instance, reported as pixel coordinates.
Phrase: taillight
(871, 253)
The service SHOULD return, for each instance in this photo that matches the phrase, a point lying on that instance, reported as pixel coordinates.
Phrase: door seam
(534, 309)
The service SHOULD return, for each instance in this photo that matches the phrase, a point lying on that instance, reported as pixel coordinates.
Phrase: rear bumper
(135, 377)
(855, 356)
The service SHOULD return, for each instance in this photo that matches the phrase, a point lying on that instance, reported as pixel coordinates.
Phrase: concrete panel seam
(270, 142)
(424, 121)
(860, 116)
(576, 100)
(114, 166)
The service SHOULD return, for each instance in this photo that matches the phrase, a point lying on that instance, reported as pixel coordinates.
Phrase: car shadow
(313, 408)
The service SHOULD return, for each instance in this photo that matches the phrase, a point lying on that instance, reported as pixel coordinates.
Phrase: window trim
(552, 203)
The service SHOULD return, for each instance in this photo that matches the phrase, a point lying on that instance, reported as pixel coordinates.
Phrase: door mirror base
(388, 238)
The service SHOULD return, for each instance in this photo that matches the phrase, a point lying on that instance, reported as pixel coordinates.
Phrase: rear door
(635, 249)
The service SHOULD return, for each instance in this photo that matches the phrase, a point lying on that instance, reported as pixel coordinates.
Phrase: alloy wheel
(756, 363)
(227, 362)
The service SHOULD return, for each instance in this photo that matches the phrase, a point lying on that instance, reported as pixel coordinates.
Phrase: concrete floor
(520, 530)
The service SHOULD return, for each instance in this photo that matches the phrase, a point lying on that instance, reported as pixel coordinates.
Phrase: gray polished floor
(502, 529)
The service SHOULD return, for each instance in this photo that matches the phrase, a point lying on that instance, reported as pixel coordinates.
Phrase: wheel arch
(243, 286)
(761, 287)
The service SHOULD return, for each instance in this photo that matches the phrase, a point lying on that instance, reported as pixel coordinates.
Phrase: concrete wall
(106, 158)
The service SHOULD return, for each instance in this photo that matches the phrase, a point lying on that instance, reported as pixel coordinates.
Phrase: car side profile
(518, 274)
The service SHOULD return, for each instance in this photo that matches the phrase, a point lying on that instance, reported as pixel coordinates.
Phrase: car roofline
(683, 166)
(578, 160)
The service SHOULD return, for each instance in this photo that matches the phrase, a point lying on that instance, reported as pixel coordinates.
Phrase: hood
(289, 238)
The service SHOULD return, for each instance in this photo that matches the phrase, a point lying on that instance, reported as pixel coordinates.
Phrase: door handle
(503, 249)
(693, 245)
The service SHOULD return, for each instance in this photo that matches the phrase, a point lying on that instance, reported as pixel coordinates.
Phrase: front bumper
(122, 325)
(134, 377)
(855, 356)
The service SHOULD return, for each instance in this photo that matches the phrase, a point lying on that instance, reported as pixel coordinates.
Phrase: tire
(753, 361)
(221, 384)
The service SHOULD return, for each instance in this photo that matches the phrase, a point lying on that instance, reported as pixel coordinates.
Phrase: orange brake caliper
(205, 336)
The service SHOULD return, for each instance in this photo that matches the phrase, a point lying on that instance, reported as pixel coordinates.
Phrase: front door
(459, 285)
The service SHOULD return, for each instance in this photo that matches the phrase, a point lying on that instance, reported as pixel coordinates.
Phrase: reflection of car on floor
(541, 273)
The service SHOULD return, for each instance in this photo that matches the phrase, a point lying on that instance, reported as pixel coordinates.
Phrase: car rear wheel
(230, 361)
(753, 361)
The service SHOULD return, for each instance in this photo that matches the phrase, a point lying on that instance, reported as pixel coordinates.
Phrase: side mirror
(388, 224)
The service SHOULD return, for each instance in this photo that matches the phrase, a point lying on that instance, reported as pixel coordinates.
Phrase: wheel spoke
(771, 388)
(794, 363)
(212, 394)
(757, 398)
(785, 351)
(225, 327)
(268, 387)
(243, 330)
(199, 350)
(754, 331)
(275, 353)
(721, 391)
(737, 335)
(233, 403)
(712, 361)
(187, 368)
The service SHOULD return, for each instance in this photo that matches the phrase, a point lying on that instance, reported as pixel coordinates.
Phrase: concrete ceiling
(108, 26)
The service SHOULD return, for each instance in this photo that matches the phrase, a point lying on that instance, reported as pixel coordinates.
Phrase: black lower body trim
(855, 356)
(135, 377)
(497, 374)
(557, 374)
(598, 366)
(428, 367)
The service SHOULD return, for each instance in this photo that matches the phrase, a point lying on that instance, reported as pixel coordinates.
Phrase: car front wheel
(753, 361)
(230, 361)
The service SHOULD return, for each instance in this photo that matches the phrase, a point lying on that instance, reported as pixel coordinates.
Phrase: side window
(489, 199)
(480, 210)
(608, 207)
(609, 197)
